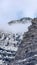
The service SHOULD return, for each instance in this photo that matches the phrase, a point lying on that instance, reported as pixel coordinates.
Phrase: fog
(16, 9)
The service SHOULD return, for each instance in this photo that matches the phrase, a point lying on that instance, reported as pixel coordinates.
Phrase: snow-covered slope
(11, 36)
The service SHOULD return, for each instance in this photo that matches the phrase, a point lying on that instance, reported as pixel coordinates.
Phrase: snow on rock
(11, 37)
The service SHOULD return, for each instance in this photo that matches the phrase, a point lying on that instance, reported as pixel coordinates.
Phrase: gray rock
(27, 51)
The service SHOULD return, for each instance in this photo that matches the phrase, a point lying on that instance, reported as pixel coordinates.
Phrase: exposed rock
(27, 52)
(22, 20)
(15, 50)
(9, 43)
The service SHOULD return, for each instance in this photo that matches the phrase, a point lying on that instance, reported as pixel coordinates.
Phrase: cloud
(15, 9)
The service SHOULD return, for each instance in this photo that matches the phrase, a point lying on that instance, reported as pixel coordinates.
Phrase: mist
(14, 9)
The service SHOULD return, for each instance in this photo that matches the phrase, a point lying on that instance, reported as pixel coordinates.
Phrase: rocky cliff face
(9, 43)
(27, 52)
(15, 50)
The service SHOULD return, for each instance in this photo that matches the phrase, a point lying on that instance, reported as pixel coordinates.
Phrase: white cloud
(13, 9)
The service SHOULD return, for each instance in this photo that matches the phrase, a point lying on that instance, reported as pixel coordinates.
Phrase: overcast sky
(15, 9)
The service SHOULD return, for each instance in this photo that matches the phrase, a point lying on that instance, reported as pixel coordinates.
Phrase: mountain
(22, 20)
(27, 51)
(19, 48)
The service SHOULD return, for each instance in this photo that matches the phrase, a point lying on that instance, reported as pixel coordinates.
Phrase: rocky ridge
(9, 44)
(27, 52)
(22, 20)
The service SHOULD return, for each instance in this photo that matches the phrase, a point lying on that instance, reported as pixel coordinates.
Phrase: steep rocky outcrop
(22, 20)
(9, 42)
(17, 51)
(27, 52)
